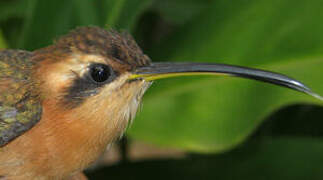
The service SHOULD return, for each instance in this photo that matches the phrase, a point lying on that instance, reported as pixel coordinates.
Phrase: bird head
(97, 78)
(85, 80)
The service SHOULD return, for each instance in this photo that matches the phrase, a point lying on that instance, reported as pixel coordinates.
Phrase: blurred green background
(230, 128)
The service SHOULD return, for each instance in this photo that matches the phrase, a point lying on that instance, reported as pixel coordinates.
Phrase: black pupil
(100, 72)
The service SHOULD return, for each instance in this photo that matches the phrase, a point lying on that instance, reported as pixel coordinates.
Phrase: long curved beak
(166, 70)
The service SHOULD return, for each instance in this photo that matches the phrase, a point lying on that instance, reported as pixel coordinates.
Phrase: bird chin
(134, 105)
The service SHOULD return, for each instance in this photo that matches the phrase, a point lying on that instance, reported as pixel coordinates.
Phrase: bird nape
(62, 105)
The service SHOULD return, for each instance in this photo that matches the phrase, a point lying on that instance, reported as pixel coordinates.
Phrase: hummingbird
(62, 105)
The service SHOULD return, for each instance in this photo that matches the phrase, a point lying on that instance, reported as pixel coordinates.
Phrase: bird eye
(100, 72)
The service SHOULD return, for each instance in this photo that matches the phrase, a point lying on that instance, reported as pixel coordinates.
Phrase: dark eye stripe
(87, 85)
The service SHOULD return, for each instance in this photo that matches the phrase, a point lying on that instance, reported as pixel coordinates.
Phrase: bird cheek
(54, 80)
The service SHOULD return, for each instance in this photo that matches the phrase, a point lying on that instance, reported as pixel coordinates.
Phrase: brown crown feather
(119, 47)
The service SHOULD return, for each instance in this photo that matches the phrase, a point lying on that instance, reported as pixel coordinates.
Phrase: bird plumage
(67, 118)
(62, 105)
(20, 107)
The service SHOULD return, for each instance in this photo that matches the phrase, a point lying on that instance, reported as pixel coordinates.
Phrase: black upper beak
(164, 70)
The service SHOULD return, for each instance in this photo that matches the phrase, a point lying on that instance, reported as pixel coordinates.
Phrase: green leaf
(265, 159)
(122, 14)
(249, 33)
(277, 158)
(216, 114)
(3, 43)
(47, 20)
(180, 11)
(12, 9)
(295, 120)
